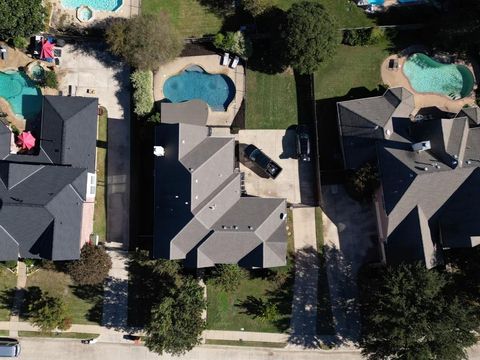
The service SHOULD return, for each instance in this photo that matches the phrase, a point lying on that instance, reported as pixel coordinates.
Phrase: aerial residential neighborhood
(248, 179)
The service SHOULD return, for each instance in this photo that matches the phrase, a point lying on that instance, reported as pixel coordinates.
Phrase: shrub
(377, 35)
(12, 264)
(155, 118)
(357, 37)
(50, 80)
(142, 82)
(92, 267)
(228, 276)
(362, 183)
(19, 42)
(234, 42)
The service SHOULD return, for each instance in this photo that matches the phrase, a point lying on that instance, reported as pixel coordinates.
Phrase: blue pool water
(380, 2)
(429, 76)
(20, 92)
(194, 83)
(375, 2)
(105, 5)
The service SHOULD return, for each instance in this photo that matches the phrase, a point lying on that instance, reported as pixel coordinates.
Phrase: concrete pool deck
(396, 78)
(211, 64)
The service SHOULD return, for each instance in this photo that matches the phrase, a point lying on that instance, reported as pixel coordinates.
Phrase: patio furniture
(235, 62)
(225, 59)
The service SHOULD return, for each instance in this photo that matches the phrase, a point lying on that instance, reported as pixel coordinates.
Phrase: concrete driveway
(280, 146)
(350, 242)
(88, 66)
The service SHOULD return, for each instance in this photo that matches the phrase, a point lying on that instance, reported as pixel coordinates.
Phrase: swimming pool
(105, 5)
(194, 83)
(20, 92)
(429, 76)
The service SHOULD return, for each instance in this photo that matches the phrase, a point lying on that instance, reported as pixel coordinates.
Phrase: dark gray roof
(472, 113)
(42, 195)
(427, 195)
(69, 130)
(200, 215)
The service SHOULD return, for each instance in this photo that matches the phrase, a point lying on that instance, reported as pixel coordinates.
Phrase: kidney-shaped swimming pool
(217, 90)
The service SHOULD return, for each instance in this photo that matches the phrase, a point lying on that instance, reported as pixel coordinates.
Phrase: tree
(21, 18)
(228, 276)
(362, 183)
(257, 7)
(48, 313)
(234, 42)
(311, 36)
(50, 79)
(176, 322)
(142, 82)
(410, 312)
(92, 267)
(146, 41)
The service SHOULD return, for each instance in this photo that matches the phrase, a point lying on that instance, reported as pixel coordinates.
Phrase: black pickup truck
(258, 156)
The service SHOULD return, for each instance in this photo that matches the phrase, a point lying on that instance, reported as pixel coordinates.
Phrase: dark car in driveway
(270, 167)
(303, 143)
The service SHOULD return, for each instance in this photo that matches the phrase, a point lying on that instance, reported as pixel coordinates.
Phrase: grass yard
(271, 100)
(84, 303)
(60, 335)
(233, 311)
(351, 67)
(8, 282)
(190, 17)
(100, 218)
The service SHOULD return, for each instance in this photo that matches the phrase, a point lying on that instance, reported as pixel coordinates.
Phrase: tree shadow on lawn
(93, 294)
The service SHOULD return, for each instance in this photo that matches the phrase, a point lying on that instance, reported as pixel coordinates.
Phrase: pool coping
(392, 79)
(201, 67)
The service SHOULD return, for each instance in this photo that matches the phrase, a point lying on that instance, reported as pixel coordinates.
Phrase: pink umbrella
(26, 140)
(47, 50)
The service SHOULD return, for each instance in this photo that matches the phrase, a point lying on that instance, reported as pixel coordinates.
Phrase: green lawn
(84, 303)
(100, 218)
(271, 100)
(190, 17)
(230, 311)
(351, 67)
(193, 19)
(61, 335)
(8, 283)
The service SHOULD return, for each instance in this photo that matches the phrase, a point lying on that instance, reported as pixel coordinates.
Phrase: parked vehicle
(270, 167)
(9, 347)
(303, 143)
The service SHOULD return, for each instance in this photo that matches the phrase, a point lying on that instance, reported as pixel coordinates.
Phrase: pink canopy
(26, 140)
(47, 50)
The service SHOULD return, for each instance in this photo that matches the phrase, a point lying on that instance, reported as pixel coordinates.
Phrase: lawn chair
(234, 63)
(225, 59)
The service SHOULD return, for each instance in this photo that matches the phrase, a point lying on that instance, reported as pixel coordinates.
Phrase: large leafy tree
(48, 313)
(146, 41)
(176, 321)
(311, 36)
(228, 276)
(21, 17)
(409, 312)
(92, 267)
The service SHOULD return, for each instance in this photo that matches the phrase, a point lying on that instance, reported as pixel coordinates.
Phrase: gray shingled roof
(42, 195)
(193, 112)
(200, 215)
(427, 195)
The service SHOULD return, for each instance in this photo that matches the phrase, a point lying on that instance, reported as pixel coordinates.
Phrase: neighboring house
(429, 168)
(47, 197)
(200, 213)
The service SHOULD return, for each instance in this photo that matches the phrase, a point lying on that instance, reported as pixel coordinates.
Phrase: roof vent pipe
(158, 151)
